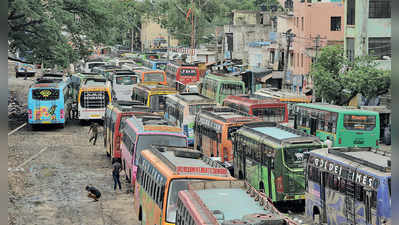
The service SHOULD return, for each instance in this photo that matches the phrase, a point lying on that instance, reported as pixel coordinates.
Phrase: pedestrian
(94, 133)
(328, 142)
(94, 193)
(117, 167)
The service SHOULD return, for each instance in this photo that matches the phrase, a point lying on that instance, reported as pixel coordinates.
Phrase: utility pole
(168, 45)
(289, 37)
(192, 30)
(131, 44)
(317, 45)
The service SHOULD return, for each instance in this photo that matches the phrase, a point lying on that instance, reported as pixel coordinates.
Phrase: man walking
(115, 174)
(328, 142)
(94, 193)
(94, 133)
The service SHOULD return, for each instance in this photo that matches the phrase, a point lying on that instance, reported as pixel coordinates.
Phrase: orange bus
(162, 172)
(213, 128)
(152, 77)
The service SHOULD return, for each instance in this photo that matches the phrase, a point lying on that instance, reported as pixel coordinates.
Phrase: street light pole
(289, 37)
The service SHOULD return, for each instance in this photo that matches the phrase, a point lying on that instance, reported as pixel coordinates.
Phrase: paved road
(50, 190)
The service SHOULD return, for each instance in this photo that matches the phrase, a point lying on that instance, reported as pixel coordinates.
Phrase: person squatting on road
(94, 193)
(94, 133)
(115, 174)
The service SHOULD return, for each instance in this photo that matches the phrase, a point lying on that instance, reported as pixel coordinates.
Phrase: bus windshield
(293, 157)
(92, 65)
(356, 122)
(95, 82)
(175, 186)
(232, 89)
(157, 102)
(126, 80)
(145, 141)
(153, 77)
(270, 114)
(45, 94)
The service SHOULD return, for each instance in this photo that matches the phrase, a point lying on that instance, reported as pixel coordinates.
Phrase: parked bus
(152, 96)
(270, 157)
(285, 97)
(93, 98)
(88, 66)
(141, 132)
(226, 202)
(349, 186)
(180, 110)
(213, 129)
(49, 102)
(22, 69)
(163, 172)
(155, 64)
(346, 127)
(152, 77)
(122, 83)
(271, 110)
(139, 59)
(218, 87)
(115, 114)
(182, 74)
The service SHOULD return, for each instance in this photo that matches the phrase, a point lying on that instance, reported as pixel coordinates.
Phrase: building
(317, 23)
(247, 29)
(153, 36)
(368, 30)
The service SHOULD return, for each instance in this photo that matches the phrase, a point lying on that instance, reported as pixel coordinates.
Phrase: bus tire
(140, 217)
(316, 215)
(108, 155)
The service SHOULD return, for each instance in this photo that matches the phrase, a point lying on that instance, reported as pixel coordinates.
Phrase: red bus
(182, 74)
(268, 109)
(115, 114)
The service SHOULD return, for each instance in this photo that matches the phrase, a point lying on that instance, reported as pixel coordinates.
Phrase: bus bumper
(46, 121)
(91, 114)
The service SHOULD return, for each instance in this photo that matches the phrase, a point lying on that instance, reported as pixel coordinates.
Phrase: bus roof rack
(303, 138)
(350, 154)
(184, 153)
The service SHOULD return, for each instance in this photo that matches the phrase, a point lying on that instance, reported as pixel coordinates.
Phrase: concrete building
(316, 22)
(246, 27)
(368, 30)
(153, 35)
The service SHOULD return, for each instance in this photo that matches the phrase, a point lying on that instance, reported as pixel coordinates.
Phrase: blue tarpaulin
(259, 43)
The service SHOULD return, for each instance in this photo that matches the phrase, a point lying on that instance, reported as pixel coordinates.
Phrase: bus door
(323, 184)
(370, 207)
(313, 125)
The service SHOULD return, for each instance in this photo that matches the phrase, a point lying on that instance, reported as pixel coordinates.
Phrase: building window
(309, 1)
(350, 49)
(380, 9)
(291, 58)
(302, 60)
(297, 59)
(335, 23)
(380, 47)
(297, 21)
(271, 60)
(302, 22)
(350, 12)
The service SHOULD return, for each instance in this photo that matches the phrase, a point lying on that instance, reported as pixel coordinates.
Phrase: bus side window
(359, 193)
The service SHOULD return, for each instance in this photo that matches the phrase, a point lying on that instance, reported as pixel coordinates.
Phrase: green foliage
(337, 80)
(61, 31)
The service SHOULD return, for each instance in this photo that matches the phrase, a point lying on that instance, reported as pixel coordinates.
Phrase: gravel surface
(49, 189)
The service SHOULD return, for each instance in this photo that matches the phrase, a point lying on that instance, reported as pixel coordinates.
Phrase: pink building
(313, 18)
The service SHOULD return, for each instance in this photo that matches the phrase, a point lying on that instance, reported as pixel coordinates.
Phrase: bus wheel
(141, 215)
(316, 215)
(62, 125)
(108, 155)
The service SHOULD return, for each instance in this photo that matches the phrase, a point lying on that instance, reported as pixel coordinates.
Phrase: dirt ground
(51, 188)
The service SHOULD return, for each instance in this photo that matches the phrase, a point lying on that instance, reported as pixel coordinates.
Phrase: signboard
(201, 170)
(347, 173)
(94, 95)
(209, 123)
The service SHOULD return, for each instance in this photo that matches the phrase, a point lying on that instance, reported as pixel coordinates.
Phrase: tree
(61, 31)
(338, 80)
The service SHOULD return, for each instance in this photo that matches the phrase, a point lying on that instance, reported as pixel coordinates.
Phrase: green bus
(270, 157)
(345, 126)
(219, 86)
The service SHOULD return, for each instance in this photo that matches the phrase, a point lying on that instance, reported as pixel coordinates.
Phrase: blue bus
(348, 186)
(49, 102)
(155, 64)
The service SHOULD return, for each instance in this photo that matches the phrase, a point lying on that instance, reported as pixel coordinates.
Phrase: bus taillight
(339, 141)
(30, 113)
(62, 114)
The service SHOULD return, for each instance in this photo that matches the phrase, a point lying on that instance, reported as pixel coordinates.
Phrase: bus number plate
(94, 116)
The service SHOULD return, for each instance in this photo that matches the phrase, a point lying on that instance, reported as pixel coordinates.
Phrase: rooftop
(335, 108)
(276, 132)
(230, 199)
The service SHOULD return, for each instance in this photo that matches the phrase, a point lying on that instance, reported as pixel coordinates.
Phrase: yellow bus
(153, 96)
(162, 172)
